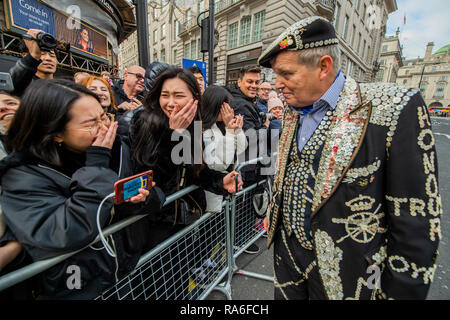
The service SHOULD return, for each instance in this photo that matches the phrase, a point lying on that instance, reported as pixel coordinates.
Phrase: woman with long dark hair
(170, 112)
(223, 136)
(65, 158)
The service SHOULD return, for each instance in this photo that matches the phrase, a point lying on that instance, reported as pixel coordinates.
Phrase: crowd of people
(65, 142)
(355, 185)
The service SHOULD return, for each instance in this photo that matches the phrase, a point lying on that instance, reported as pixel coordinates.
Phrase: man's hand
(32, 45)
(132, 105)
(266, 224)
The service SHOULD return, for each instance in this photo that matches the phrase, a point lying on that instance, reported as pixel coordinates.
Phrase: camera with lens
(47, 42)
(270, 116)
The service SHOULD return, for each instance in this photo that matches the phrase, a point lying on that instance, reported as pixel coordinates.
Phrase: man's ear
(239, 82)
(326, 65)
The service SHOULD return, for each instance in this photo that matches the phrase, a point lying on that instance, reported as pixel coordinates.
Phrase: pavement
(247, 288)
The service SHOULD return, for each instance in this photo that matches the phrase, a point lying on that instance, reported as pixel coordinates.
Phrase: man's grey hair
(311, 57)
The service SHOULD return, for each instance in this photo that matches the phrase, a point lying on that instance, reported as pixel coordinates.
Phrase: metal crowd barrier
(188, 265)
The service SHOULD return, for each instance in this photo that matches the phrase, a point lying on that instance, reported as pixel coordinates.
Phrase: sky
(426, 21)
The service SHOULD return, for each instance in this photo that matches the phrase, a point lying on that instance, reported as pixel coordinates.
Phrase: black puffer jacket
(52, 211)
(167, 174)
(253, 124)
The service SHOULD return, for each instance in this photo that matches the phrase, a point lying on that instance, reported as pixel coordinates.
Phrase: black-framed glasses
(137, 75)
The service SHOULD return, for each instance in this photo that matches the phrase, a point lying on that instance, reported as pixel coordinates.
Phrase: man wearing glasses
(128, 92)
(263, 96)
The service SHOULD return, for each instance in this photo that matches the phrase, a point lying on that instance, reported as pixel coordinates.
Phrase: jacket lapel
(288, 131)
(345, 136)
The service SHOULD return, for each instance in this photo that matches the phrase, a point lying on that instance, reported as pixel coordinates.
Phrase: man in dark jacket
(255, 126)
(244, 103)
(37, 64)
(128, 92)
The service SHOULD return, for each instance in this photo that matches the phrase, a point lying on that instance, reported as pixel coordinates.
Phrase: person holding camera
(39, 63)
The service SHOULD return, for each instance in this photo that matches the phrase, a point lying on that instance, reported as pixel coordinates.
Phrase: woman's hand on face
(106, 136)
(142, 196)
(229, 182)
(236, 123)
(182, 117)
(227, 114)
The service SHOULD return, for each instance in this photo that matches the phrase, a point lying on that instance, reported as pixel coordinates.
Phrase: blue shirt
(309, 122)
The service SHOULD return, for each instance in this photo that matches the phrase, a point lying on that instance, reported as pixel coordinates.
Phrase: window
(337, 14)
(364, 13)
(384, 48)
(245, 30)
(358, 49)
(188, 16)
(258, 25)
(423, 88)
(233, 35)
(155, 36)
(344, 32)
(349, 67)
(439, 91)
(175, 59)
(163, 55)
(380, 75)
(187, 51)
(216, 6)
(193, 49)
(177, 28)
(364, 49)
(199, 47)
(352, 38)
(155, 56)
(405, 81)
(163, 31)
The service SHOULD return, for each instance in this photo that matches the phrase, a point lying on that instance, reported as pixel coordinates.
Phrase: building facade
(390, 59)
(244, 28)
(431, 74)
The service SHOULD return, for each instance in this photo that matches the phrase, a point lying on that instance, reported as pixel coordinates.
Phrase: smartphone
(129, 187)
(6, 83)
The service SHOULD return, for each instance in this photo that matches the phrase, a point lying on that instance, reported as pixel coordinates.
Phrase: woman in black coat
(171, 112)
(64, 160)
